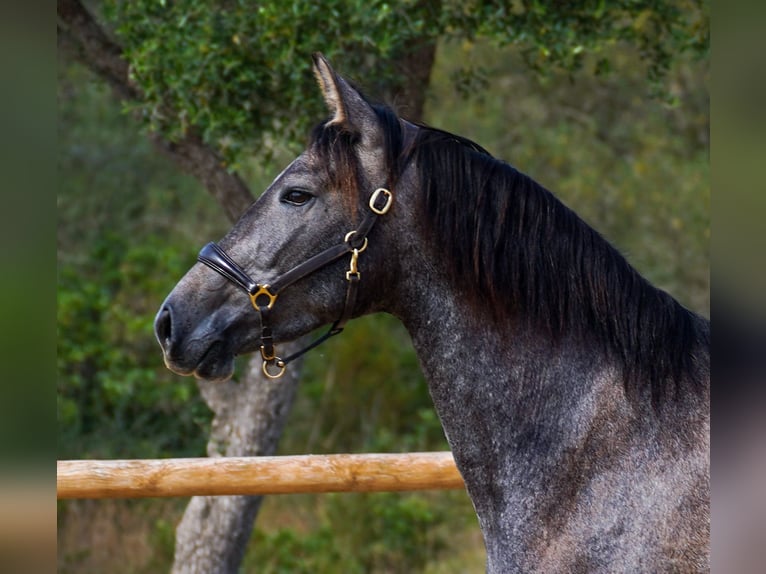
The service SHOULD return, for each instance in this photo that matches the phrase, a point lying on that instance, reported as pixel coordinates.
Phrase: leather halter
(263, 296)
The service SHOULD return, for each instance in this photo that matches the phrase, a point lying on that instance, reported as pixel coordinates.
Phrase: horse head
(298, 251)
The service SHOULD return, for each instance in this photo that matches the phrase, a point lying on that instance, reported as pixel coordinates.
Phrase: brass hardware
(262, 290)
(389, 200)
(279, 363)
(267, 357)
(353, 272)
(349, 235)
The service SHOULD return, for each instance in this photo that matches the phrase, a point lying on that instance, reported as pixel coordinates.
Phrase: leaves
(111, 386)
(240, 73)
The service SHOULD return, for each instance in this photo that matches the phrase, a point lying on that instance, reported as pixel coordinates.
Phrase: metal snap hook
(353, 272)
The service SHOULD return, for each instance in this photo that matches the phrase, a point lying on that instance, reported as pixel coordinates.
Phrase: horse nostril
(162, 328)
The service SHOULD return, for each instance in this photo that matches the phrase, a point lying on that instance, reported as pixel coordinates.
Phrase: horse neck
(479, 368)
(534, 424)
(512, 405)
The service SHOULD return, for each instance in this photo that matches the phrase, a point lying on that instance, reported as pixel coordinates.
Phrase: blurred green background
(129, 224)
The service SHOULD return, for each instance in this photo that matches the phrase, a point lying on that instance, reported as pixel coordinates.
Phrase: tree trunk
(413, 66)
(250, 416)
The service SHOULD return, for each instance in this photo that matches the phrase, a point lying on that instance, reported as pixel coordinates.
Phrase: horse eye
(296, 196)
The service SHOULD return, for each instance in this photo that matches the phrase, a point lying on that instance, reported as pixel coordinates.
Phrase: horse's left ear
(347, 105)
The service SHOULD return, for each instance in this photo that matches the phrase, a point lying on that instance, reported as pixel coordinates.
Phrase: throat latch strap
(264, 296)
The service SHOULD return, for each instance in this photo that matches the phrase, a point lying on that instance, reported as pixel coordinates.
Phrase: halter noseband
(263, 296)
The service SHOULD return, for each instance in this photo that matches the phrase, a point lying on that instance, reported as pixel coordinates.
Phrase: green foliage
(111, 385)
(562, 36)
(380, 532)
(286, 551)
(163, 543)
(239, 73)
(398, 532)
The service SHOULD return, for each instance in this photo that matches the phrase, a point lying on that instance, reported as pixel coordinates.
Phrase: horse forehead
(287, 168)
(309, 165)
(300, 166)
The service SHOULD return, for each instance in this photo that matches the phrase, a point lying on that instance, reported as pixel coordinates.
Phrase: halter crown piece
(263, 296)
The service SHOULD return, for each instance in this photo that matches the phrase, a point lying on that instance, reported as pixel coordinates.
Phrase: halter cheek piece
(263, 296)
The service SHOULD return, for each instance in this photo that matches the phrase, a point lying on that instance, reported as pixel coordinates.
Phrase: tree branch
(81, 37)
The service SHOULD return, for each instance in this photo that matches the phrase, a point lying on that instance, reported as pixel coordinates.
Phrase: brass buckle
(374, 197)
(262, 290)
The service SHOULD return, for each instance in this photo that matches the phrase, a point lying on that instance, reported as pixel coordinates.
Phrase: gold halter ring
(279, 363)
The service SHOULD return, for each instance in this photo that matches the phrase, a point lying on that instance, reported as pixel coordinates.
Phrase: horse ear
(348, 106)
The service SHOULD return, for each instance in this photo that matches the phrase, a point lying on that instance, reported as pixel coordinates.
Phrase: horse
(573, 393)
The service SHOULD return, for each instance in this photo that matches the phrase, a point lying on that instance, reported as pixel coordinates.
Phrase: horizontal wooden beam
(256, 475)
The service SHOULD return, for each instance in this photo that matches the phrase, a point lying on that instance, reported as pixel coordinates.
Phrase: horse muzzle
(203, 355)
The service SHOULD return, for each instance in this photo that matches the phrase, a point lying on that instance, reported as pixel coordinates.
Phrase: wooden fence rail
(256, 475)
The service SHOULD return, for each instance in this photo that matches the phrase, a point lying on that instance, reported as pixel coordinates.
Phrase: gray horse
(574, 394)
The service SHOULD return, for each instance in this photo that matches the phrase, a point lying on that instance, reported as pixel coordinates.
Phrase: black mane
(520, 254)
